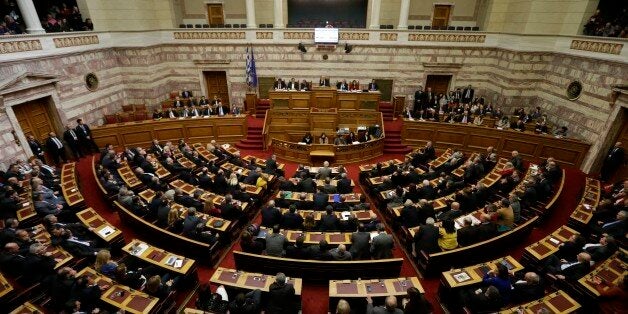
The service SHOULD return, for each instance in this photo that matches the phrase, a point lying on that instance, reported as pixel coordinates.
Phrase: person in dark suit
(343, 86)
(516, 161)
(291, 220)
(270, 215)
(329, 221)
(360, 248)
(85, 136)
(382, 244)
(373, 86)
(72, 139)
(190, 222)
(467, 95)
(468, 233)
(426, 238)
(324, 81)
(304, 86)
(36, 147)
(307, 185)
(281, 296)
(186, 93)
(229, 209)
(220, 183)
(177, 103)
(293, 84)
(527, 289)
(279, 84)
(573, 271)
(74, 245)
(486, 229)
(55, 147)
(343, 186)
(320, 199)
(271, 166)
(298, 250)
(601, 250)
(613, 160)
(409, 215)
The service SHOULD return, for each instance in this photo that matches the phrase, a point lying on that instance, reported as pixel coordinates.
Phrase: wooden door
(214, 14)
(441, 15)
(35, 118)
(216, 82)
(438, 83)
(622, 171)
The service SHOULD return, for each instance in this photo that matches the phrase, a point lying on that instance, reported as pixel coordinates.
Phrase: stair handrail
(265, 131)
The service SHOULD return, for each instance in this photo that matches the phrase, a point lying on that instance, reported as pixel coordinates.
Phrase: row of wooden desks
(190, 189)
(128, 176)
(441, 159)
(589, 201)
(611, 272)
(385, 164)
(261, 162)
(160, 258)
(474, 274)
(313, 237)
(373, 287)
(549, 245)
(26, 209)
(57, 252)
(69, 186)
(102, 228)
(361, 215)
(332, 198)
(249, 281)
(5, 286)
(556, 302)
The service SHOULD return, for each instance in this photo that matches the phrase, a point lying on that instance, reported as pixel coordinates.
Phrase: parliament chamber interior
(302, 156)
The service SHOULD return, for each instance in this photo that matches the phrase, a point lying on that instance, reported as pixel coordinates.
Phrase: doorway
(622, 136)
(216, 83)
(442, 12)
(36, 118)
(215, 14)
(438, 83)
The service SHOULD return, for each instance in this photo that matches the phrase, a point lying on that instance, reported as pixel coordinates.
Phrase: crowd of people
(63, 18)
(463, 106)
(345, 136)
(324, 81)
(605, 25)
(186, 105)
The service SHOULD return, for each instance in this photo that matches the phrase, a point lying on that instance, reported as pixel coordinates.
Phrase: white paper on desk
(106, 231)
(554, 241)
(171, 260)
(26, 204)
(374, 234)
(73, 190)
(355, 142)
(345, 215)
(587, 206)
(178, 263)
(139, 249)
(461, 277)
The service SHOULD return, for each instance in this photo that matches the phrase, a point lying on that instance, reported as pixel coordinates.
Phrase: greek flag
(251, 74)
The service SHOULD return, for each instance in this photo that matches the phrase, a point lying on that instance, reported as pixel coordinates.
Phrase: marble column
(279, 14)
(250, 14)
(403, 14)
(375, 8)
(31, 19)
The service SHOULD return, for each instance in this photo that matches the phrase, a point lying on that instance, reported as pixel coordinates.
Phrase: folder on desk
(171, 260)
(106, 231)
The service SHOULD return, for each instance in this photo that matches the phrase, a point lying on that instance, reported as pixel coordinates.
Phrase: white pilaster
(375, 8)
(250, 14)
(279, 14)
(33, 25)
(403, 14)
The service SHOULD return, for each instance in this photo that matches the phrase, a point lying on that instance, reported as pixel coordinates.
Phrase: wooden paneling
(343, 154)
(323, 98)
(441, 14)
(215, 15)
(216, 83)
(471, 138)
(438, 83)
(227, 129)
(35, 119)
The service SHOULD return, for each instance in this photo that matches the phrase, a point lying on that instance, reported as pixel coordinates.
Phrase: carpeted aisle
(315, 297)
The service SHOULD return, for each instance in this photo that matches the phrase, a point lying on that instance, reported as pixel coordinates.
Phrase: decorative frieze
(388, 36)
(298, 35)
(354, 36)
(458, 38)
(264, 35)
(63, 42)
(210, 35)
(19, 46)
(596, 46)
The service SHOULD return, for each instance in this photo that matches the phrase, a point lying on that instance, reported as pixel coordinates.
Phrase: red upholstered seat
(127, 108)
(111, 118)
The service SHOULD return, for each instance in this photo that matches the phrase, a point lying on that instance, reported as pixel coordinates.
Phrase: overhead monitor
(326, 35)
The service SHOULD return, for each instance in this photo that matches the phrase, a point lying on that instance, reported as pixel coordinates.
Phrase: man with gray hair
(426, 238)
(324, 171)
(340, 253)
(390, 306)
(281, 296)
(528, 288)
(343, 186)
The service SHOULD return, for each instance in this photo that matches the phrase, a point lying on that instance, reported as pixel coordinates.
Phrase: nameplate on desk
(556, 242)
(26, 204)
(106, 231)
(73, 190)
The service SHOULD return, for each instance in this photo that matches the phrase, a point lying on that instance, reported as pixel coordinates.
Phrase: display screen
(326, 35)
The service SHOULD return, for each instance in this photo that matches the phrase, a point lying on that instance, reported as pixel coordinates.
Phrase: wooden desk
(611, 271)
(57, 252)
(69, 185)
(472, 138)
(204, 153)
(385, 164)
(103, 229)
(27, 308)
(324, 98)
(159, 257)
(261, 162)
(343, 154)
(295, 196)
(549, 245)
(229, 129)
(314, 237)
(122, 297)
(5, 286)
(361, 215)
(590, 199)
(442, 159)
(128, 176)
(373, 287)
(249, 281)
(474, 274)
(459, 172)
(557, 302)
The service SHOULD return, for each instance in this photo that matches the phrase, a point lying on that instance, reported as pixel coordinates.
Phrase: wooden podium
(324, 97)
(251, 102)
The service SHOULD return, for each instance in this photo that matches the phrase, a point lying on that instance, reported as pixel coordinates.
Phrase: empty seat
(382, 26)
(242, 25)
(389, 26)
(181, 25)
(140, 116)
(459, 28)
(189, 25)
(467, 28)
(262, 26)
(127, 108)
(427, 27)
(236, 25)
(139, 107)
(475, 28)
(221, 25)
(410, 26)
(213, 25)
(111, 118)
(269, 26)
(450, 28)
(205, 25)
(198, 25)
(227, 25)
(419, 27)
(127, 117)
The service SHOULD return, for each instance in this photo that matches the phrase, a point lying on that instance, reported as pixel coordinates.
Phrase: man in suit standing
(85, 136)
(324, 81)
(613, 160)
(418, 99)
(55, 148)
(467, 95)
(373, 86)
(270, 215)
(382, 244)
(324, 172)
(36, 148)
(186, 93)
(71, 138)
(360, 243)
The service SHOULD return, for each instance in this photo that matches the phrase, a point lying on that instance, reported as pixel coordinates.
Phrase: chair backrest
(467, 28)
(419, 27)
(410, 26)
(139, 107)
(242, 25)
(262, 26)
(475, 28)
(205, 25)
(236, 25)
(181, 25)
(198, 25)
(174, 94)
(459, 28)
(451, 28)
(111, 118)
(382, 26)
(127, 108)
(389, 26)
(269, 26)
(127, 117)
(227, 25)
(427, 27)
(141, 116)
(188, 25)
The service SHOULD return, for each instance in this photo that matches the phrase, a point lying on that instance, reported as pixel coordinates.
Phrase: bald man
(340, 253)
(389, 308)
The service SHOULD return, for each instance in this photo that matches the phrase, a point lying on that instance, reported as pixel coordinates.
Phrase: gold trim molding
(19, 46)
(264, 35)
(596, 46)
(298, 35)
(388, 36)
(63, 42)
(455, 38)
(209, 35)
(354, 36)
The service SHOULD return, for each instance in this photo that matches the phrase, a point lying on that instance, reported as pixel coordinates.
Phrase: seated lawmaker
(307, 139)
(373, 86)
(343, 86)
(323, 139)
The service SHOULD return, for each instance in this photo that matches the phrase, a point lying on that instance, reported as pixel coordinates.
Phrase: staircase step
(248, 146)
